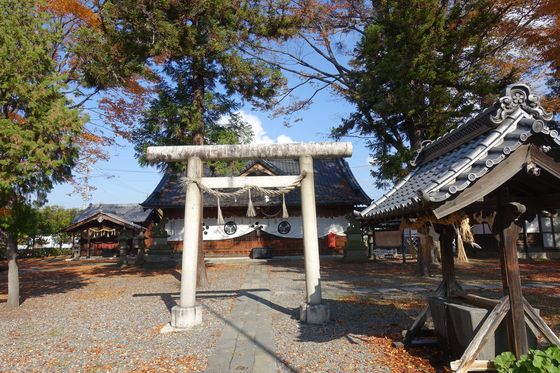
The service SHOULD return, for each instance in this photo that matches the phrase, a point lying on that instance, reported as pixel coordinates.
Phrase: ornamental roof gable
(451, 164)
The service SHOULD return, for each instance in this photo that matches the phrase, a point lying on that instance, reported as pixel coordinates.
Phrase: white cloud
(283, 139)
(259, 133)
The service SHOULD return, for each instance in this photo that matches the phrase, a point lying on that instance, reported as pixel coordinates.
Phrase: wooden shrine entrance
(188, 313)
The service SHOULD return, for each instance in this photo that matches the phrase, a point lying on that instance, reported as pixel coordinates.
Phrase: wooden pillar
(449, 283)
(372, 244)
(447, 263)
(508, 229)
(403, 247)
(525, 243)
(88, 243)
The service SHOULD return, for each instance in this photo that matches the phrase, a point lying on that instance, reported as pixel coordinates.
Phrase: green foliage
(505, 361)
(37, 124)
(537, 361)
(196, 50)
(421, 67)
(53, 219)
(43, 252)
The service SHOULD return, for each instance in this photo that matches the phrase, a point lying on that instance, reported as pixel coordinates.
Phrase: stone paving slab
(247, 344)
(540, 285)
(414, 289)
(470, 287)
(388, 290)
(489, 286)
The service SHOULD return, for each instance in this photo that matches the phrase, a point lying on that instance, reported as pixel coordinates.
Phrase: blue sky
(122, 180)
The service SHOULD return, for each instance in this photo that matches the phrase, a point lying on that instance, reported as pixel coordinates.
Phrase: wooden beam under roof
(488, 183)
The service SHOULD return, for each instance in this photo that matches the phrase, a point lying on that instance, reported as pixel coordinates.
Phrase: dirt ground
(361, 287)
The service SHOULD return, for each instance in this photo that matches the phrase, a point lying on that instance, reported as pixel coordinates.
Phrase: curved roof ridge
(155, 193)
(514, 98)
(352, 179)
(497, 137)
(453, 166)
(387, 195)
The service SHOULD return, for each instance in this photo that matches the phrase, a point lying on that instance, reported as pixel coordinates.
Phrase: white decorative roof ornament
(516, 97)
(424, 144)
(454, 162)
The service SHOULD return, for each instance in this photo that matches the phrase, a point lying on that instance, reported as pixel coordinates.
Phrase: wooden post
(88, 243)
(508, 229)
(403, 247)
(449, 283)
(525, 243)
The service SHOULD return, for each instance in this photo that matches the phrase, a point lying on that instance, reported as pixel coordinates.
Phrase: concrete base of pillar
(317, 314)
(185, 317)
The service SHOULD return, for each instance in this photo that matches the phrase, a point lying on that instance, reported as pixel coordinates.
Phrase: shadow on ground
(41, 277)
(39, 284)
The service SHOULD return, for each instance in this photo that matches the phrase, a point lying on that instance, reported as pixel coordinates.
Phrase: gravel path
(112, 324)
(335, 347)
(95, 317)
(106, 321)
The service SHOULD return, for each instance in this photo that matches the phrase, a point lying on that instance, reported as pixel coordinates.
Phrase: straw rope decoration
(284, 208)
(220, 218)
(271, 192)
(457, 219)
(251, 213)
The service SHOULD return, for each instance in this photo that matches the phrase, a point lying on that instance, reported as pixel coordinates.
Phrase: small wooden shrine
(504, 166)
(100, 225)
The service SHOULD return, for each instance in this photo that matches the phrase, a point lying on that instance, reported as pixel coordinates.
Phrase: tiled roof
(132, 213)
(334, 186)
(452, 163)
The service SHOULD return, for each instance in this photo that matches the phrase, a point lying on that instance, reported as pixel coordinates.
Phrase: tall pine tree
(195, 50)
(421, 67)
(37, 126)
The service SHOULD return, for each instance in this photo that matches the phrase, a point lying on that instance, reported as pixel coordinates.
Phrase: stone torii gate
(188, 313)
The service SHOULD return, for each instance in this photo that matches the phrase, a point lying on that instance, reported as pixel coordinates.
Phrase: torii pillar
(188, 313)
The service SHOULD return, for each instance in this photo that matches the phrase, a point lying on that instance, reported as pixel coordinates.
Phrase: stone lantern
(124, 239)
(139, 245)
(355, 249)
(159, 252)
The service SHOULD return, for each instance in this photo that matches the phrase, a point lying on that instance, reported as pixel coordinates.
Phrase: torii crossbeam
(188, 313)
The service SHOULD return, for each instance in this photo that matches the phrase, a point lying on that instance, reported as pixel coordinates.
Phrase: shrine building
(277, 224)
(99, 226)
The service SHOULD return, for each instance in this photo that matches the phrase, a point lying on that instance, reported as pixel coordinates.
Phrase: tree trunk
(13, 273)
(198, 139)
